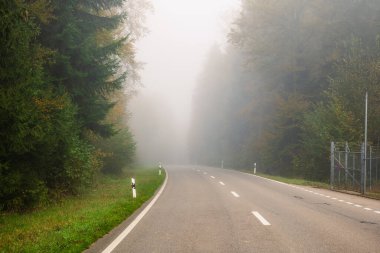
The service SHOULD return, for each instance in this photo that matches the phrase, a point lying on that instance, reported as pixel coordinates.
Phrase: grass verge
(316, 184)
(296, 181)
(75, 223)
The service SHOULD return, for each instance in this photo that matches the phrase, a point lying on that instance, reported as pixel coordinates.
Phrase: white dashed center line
(235, 194)
(261, 218)
(220, 182)
(212, 177)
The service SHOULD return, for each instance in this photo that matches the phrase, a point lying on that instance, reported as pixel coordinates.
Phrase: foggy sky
(180, 34)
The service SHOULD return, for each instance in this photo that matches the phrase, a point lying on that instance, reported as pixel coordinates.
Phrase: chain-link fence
(353, 171)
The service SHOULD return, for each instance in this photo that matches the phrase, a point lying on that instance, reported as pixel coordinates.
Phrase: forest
(67, 69)
(292, 78)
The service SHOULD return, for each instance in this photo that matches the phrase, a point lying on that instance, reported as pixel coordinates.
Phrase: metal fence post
(362, 170)
(346, 163)
(353, 169)
(370, 168)
(332, 166)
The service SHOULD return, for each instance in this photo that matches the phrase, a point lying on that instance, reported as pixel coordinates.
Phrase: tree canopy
(291, 81)
(64, 65)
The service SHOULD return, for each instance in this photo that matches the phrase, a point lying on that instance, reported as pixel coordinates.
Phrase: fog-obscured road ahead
(206, 209)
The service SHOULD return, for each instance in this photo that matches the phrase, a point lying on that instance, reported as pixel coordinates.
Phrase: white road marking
(261, 218)
(300, 188)
(220, 182)
(130, 227)
(212, 177)
(235, 194)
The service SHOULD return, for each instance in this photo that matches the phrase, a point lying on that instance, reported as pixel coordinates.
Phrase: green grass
(76, 222)
(375, 194)
(297, 181)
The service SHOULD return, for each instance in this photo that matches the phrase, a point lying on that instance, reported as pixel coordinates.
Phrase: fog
(181, 32)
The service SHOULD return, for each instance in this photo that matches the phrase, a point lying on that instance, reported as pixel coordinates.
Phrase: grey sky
(180, 34)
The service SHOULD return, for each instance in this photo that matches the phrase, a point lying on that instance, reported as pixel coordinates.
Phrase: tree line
(65, 71)
(292, 79)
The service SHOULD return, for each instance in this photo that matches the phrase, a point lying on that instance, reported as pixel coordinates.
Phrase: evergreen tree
(84, 67)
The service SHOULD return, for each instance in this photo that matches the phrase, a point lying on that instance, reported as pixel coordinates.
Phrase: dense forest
(66, 71)
(292, 79)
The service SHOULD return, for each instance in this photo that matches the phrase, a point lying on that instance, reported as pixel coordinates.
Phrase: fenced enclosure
(352, 170)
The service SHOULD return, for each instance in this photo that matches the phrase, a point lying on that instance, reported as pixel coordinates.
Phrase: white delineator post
(133, 187)
(159, 169)
(254, 168)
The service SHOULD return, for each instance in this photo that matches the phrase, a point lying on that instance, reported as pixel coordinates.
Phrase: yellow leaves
(48, 105)
(118, 114)
(104, 37)
(41, 9)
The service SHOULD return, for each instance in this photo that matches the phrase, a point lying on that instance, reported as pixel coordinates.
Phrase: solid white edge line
(131, 226)
(368, 209)
(261, 218)
(235, 194)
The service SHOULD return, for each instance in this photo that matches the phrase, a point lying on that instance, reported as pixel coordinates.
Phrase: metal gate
(353, 171)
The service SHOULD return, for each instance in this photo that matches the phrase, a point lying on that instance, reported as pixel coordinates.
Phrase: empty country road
(204, 209)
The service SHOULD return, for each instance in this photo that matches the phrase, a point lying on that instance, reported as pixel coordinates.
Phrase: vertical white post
(133, 187)
(254, 168)
(159, 169)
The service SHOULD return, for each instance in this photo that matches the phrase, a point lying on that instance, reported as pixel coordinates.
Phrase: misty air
(189, 126)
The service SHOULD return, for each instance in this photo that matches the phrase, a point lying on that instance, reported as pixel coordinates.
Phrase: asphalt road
(205, 209)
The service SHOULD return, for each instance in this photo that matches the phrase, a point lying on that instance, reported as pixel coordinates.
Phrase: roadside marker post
(159, 169)
(254, 168)
(133, 187)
